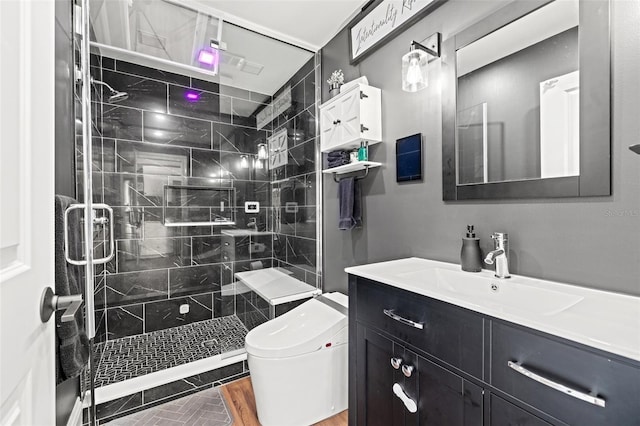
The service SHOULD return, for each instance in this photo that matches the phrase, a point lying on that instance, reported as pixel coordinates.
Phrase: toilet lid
(303, 329)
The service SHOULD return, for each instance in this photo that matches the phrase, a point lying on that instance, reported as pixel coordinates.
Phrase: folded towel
(338, 154)
(346, 195)
(73, 344)
(335, 163)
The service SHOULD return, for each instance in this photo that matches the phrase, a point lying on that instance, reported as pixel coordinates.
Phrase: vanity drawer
(451, 334)
(539, 371)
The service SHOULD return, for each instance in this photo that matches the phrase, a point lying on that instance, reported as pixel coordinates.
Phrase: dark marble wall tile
(260, 247)
(309, 90)
(195, 103)
(108, 63)
(297, 98)
(153, 253)
(153, 73)
(301, 251)
(126, 189)
(304, 127)
(148, 158)
(166, 314)
(209, 86)
(194, 280)
(302, 159)
(118, 406)
(120, 122)
(206, 164)
(124, 321)
(143, 92)
(136, 287)
(176, 130)
(244, 111)
(206, 250)
(101, 325)
(96, 154)
(224, 303)
(306, 222)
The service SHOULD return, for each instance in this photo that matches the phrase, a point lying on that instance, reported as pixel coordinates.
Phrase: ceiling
(306, 23)
(261, 43)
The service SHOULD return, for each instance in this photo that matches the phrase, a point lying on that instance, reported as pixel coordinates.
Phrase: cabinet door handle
(408, 402)
(592, 399)
(407, 370)
(362, 95)
(392, 315)
(336, 122)
(396, 363)
(363, 128)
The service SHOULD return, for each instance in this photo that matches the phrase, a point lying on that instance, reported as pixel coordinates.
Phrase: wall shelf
(352, 167)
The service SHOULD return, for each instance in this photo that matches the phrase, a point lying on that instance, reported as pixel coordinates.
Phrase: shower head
(114, 96)
(117, 97)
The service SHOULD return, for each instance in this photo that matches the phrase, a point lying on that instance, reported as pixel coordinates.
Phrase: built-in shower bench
(276, 287)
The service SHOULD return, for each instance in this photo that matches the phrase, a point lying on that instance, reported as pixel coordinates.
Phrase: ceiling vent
(251, 67)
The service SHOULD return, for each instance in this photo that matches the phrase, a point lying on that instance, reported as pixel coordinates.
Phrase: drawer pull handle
(396, 363)
(392, 315)
(592, 399)
(408, 402)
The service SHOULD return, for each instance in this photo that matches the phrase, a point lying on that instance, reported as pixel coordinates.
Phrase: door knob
(50, 302)
(396, 363)
(407, 370)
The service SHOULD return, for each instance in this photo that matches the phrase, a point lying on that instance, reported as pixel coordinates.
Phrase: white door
(27, 364)
(350, 113)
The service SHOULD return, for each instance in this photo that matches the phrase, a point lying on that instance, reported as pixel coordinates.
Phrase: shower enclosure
(200, 136)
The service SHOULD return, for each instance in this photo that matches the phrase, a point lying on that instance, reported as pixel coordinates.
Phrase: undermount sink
(517, 294)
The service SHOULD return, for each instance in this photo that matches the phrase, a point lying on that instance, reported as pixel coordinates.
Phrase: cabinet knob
(336, 122)
(396, 363)
(407, 370)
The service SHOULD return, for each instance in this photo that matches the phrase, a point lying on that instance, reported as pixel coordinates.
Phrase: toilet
(298, 363)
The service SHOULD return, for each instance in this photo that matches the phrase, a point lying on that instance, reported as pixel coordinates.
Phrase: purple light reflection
(192, 96)
(207, 57)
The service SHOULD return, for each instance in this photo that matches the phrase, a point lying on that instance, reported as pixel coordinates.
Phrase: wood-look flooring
(241, 403)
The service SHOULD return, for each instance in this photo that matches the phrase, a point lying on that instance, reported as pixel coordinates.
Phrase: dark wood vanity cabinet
(465, 368)
(444, 398)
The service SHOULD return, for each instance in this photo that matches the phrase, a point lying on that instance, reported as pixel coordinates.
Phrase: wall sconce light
(244, 162)
(414, 63)
(262, 151)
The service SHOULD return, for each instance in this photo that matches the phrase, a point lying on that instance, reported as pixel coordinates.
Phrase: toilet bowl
(298, 363)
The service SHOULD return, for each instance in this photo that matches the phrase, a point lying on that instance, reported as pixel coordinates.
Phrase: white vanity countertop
(600, 319)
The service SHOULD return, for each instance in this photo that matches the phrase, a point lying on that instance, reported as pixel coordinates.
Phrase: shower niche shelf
(191, 205)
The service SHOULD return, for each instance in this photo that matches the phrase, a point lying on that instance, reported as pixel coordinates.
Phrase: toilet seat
(307, 328)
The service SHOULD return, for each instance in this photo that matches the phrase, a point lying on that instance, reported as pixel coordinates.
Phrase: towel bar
(366, 172)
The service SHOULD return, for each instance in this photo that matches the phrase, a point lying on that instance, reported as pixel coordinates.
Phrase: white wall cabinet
(351, 117)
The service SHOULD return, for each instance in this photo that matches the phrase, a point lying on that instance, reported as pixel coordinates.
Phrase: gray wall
(590, 242)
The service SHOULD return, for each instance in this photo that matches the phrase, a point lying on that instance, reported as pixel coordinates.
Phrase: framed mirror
(526, 103)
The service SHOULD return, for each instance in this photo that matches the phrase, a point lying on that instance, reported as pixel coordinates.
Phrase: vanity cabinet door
(504, 413)
(445, 398)
(376, 403)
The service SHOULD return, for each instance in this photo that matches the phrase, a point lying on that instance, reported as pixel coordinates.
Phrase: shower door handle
(97, 221)
(50, 302)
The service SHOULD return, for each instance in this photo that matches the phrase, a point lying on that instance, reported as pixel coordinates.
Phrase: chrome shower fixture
(116, 96)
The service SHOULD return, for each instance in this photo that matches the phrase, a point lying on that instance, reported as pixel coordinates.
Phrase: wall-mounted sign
(384, 19)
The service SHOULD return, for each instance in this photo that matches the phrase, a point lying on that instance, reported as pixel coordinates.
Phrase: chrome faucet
(500, 254)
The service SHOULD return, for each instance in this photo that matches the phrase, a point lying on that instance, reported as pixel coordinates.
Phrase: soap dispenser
(470, 255)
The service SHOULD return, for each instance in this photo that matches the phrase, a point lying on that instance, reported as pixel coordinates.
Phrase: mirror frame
(595, 109)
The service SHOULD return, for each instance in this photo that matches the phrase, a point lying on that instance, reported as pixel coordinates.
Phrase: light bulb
(414, 71)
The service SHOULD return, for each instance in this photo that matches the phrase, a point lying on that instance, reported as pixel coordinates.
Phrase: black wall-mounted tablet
(409, 158)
